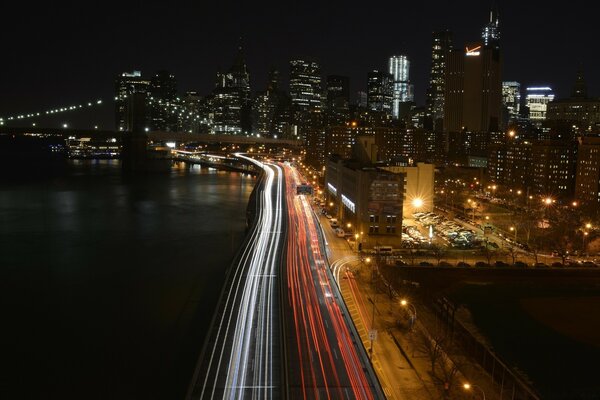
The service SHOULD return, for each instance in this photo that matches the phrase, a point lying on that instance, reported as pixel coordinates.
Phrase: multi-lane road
(281, 329)
(242, 356)
(322, 344)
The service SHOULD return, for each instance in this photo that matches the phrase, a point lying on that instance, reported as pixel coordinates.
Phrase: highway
(242, 357)
(328, 359)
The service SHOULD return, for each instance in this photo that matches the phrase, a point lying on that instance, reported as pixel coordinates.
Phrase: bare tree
(488, 253)
(513, 252)
(430, 345)
(438, 252)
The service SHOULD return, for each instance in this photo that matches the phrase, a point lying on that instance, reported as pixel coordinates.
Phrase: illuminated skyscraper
(126, 85)
(305, 88)
(491, 31)
(402, 93)
(163, 106)
(441, 46)
(536, 101)
(380, 91)
(231, 100)
(511, 99)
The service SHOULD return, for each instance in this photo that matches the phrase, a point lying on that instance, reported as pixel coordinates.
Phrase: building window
(373, 218)
(391, 219)
(374, 229)
(390, 229)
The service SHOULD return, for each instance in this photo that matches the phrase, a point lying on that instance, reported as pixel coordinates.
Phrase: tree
(488, 253)
(512, 251)
(430, 345)
(438, 252)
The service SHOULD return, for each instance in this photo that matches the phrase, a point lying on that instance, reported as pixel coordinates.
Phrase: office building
(536, 101)
(578, 114)
(271, 108)
(365, 196)
(491, 31)
(163, 102)
(511, 99)
(126, 84)
(380, 92)
(418, 188)
(305, 88)
(231, 99)
(402, 91)
(337, 99)
(441, 46)
(473, 98)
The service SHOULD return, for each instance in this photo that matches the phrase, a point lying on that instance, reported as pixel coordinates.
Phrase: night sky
(60, 53)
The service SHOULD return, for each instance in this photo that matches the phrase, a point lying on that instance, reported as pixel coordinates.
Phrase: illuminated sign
(472, 52)
(332, 189)
(349, 204)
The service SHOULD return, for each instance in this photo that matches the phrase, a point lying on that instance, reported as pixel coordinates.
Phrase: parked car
(557, 265)
(521, 264)
(541, 265)
(425, 264)
(462, 264)
(481, 264)
(445, 264)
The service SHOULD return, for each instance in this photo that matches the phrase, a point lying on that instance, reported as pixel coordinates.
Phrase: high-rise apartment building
(126, 84)
(399, 67)
(587, 183)
(536, 101)
(380, 91)
(441, 46)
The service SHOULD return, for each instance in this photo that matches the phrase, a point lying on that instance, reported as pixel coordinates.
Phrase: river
(108, 282)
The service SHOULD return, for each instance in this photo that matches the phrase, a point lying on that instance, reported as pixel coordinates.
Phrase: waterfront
(108, 282)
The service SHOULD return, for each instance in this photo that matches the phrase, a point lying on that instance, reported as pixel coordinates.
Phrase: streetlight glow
(417, 203)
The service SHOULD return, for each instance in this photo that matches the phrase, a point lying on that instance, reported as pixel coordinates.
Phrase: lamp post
(356, 236)
(468, 386)
(413, 316)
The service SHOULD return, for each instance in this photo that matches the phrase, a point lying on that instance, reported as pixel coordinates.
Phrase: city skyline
(191, 53)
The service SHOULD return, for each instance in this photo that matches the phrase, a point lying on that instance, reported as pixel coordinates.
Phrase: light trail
(241, 361)
(323, 345)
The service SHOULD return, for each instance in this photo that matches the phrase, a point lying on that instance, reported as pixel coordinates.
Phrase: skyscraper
(473, 90)
(491, 31)
(232, 98)
(163, 105)
(536, 101)
(126, 84)
(399, 69)
(337, 99)
(511, 98)
(380, 91)
(305, 88)
(441, 46)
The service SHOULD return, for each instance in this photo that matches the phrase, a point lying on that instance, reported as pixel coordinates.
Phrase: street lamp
(468, 386)
(514, 229)
(413, 316)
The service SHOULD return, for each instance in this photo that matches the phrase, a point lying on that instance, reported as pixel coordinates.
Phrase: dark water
(107, 284)
(559, 367)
